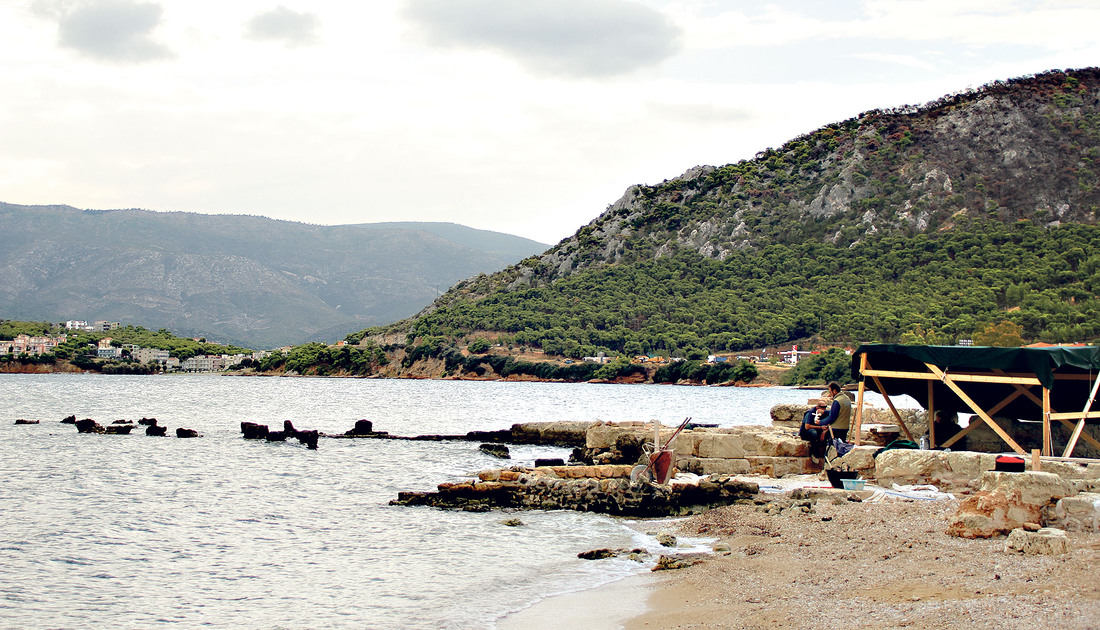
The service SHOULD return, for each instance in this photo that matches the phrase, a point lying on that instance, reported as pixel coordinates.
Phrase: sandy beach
(870, 565)
(845, 564)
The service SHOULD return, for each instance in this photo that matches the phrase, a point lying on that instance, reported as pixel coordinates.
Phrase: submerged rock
(22, 421)
(187, 433)
(496, 450)
(155, 430)
(253, 431)
(68, 420)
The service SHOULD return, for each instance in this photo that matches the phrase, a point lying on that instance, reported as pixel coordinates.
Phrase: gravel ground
(870, 565)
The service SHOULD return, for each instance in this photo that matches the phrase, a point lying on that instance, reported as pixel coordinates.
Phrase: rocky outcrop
(187, 433)
(605, 489)
(1007, 501)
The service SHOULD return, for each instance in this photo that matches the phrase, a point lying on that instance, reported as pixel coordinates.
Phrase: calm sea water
(134, 531)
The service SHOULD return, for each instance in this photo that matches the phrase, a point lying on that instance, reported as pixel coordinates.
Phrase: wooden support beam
(890, 403)
(1073, 427)
(959, 378)
(931, 407)
(1077, 430)
(858, 428)
(1047, 446)
(1071, 415)
(950, 382)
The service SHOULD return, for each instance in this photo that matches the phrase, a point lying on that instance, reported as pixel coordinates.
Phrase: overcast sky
(523, 116)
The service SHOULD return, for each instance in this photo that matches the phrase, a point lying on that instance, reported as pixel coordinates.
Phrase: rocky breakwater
(568, 434)
(757, 450)
(606, 489)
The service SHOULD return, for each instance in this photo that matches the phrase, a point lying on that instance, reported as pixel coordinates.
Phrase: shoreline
(610, 606)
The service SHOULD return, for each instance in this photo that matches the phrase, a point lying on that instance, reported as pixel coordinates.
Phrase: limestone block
(603, 436)
(780, 466)
(489, 475)
(716, 466)
(1046, 541)
(687, 442)
(721, 445)
(1035, 488)
(788, 415)
(783, 444)
(1079, 513)
(860, 458)
(947, 470)
(1065, 470)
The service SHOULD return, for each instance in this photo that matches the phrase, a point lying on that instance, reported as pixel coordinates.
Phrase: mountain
(926, 223)
(247, 280)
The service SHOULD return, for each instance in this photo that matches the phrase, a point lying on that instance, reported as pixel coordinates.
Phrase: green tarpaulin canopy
(1067, 395)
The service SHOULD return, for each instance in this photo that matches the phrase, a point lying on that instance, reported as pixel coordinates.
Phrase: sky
(528, 117)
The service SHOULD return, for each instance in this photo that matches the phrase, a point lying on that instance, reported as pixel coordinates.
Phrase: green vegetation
(321, 360)
(935, 287)
(832, 365)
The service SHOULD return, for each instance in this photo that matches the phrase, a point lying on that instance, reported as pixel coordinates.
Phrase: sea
(131, 531)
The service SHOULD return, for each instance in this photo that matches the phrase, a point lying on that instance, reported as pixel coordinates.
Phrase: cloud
(109, 30)
(585, 38)
(283, 25)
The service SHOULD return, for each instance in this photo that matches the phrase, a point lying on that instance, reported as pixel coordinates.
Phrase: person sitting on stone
(812, 431)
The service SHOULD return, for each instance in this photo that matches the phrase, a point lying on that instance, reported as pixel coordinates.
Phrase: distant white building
(104, 326)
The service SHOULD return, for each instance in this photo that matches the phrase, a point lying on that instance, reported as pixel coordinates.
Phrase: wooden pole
(858, 428)
(1047, 446)
(948, 380)
(1035, 465)
(931, 418)
(1081, 424)
(890, 403)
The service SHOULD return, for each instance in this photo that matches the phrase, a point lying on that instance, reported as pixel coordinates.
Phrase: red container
(661, 464)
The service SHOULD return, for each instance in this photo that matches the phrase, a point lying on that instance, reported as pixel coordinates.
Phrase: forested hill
(947, 217)
(249, 280)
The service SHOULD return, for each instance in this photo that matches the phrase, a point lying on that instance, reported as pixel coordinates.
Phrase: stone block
(1079, 513)
(1046, 541)
(788, 415)
(716, 466)
(687, 442)
(1035, 488)
(861, 458)
(781, 466)
(721, 445)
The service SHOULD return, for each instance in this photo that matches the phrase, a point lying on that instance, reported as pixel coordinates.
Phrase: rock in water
(362, 427)
(309, 438)
(68, 420)
(87, 425)
(496, 450)
(253, 431)
(156, 430)
(186, 433)
(22, 421)
(549, 462)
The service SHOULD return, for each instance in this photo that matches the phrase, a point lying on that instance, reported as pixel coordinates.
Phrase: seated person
(946, 425)
(812, 431)
(838, 417)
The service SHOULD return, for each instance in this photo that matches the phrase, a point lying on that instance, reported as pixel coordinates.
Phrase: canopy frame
(1020, 382)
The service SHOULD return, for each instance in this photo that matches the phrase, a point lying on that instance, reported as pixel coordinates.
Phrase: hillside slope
(978, 207)
(249, 280)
